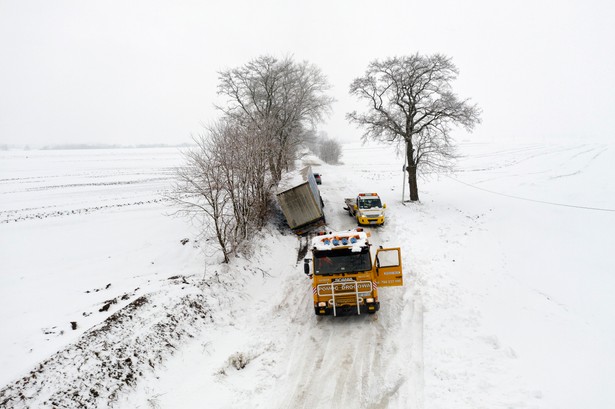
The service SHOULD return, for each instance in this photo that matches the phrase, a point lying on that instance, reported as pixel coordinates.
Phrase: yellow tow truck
(367, 208)
(345, 278)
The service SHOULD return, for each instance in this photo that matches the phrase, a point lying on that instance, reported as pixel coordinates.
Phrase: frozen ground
(507, 300)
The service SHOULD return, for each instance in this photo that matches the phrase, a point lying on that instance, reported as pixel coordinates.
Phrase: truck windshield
(342, 261)
(369, 203)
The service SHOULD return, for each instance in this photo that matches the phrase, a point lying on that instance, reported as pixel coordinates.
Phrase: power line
(531, 200)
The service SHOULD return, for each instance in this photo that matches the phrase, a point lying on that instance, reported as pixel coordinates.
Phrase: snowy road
(364, 361)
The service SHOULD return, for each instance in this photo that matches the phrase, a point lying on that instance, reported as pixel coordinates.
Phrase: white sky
(132, 72)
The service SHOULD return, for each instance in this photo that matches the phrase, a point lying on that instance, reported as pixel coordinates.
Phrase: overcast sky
(134, 72)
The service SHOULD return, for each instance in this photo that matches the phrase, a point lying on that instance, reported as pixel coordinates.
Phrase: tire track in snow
(595, 152)
(112, 183)
(333, 367)
(534, 152)
(11, 217)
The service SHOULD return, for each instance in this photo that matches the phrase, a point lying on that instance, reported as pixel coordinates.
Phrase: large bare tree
(279, 98)
(411, 100)
(201, 193)
(226, 181)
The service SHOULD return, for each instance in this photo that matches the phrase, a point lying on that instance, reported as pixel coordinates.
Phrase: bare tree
(279, 98)
(200, 192)
(330, 151)
(242, 154)
(310, 140)
(411, 100)
(230, 176)
(226, 180)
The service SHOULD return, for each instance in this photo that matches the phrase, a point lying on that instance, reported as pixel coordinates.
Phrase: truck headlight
(369, 300)
(322, 304)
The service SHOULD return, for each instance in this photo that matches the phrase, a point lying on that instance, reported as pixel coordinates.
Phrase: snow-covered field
(507, 300)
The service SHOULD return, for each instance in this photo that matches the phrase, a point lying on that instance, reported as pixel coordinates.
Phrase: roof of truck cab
(369, 195)
(353, 239)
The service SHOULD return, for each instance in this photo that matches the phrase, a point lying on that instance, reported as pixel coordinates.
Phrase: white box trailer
(300, 200)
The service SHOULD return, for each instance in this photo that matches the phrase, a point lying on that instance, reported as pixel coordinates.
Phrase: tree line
(271, 108)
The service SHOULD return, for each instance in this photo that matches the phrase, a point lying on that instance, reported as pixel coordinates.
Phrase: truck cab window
(369, 203)
(342, 262)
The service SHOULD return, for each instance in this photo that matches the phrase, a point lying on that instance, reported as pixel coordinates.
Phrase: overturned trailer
(300, 200)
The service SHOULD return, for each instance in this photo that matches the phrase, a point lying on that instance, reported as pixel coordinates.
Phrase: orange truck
(346, 276)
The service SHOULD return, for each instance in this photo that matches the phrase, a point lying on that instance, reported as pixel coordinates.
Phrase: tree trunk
(411, 168)
(414, 189)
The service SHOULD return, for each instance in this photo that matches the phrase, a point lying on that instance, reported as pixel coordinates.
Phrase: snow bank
(111, 357)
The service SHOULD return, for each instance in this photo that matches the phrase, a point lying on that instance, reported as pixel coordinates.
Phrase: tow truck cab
(367, 208)
(345, 277)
